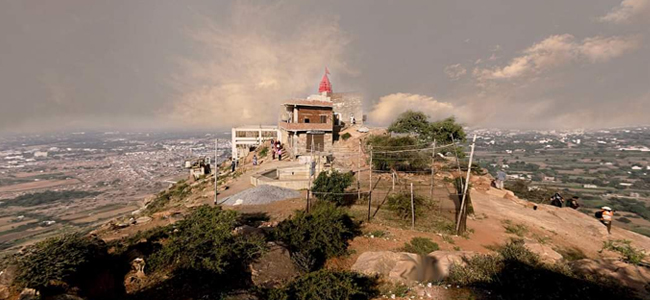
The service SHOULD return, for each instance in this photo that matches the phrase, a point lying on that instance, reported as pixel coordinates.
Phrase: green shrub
(204, 241)
(328, 285)
(329, 187)
(319, 235)
(624, 220)
(68, 259)
(264, 151)
(346, 136)
(624, 247)
(400, 204)
(420, 245)
(517, 229)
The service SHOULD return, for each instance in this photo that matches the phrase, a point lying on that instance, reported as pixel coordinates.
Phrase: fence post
(412, 209)
(216, 170)
(370, 184)
(465, 186)
(433, 168)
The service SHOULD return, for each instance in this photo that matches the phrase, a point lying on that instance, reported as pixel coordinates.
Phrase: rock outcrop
(408, 267)
(274, 268)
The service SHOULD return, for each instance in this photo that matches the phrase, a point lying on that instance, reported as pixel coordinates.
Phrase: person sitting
(557, 200)
(573, 202)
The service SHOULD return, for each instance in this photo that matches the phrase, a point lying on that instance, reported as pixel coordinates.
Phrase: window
(306, 120)
(323, 119)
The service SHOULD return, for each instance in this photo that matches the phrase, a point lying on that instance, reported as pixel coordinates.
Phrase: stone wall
(347, 105)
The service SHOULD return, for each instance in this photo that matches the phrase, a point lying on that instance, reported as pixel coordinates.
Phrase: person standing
(279, 154)
(501, 178)
(254, 159)
(233, 165)
(606, 218)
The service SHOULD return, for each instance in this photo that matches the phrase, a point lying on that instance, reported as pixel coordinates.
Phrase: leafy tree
(417, 123)
(319, 235)
(329, 187)
(204, 241)
(60, 262)
(412, 122)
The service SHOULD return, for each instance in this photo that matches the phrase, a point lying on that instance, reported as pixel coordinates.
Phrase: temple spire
(325, 85)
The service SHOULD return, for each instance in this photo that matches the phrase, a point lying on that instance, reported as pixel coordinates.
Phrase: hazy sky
(213, 64)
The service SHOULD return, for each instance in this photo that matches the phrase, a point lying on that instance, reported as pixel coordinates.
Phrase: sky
(163, 64)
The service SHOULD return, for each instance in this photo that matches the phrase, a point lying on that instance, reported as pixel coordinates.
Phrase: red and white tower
(325, 87)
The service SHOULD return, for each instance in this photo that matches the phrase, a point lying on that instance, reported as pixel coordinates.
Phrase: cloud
(628, 11)
(600, 49)
(390, 106)
(559, 50)
(261, 57)
(455, 72)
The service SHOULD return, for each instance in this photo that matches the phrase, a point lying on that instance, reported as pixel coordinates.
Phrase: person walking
(254, 159)
(606, 218)
(501, 178)
(279, 154)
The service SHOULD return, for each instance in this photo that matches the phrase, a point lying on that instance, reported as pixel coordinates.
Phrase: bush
(624, 220)
(329, 187)
(314, 237)
(400, 204)
(517, 229)
(204, 241)
(264, 151)
(346, 136)
(624, 247)
(420, 245)
(68, 260)
(516, 273)
(328, 285)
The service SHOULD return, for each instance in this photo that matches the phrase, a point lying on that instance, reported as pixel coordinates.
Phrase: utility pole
(359, 173)
(370, 184)
(465, 186)
(216, 170)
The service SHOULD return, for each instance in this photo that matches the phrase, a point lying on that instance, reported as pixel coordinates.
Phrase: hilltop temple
(306, 124)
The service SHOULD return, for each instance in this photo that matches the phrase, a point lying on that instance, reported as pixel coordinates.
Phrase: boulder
(246, 230)
(545, 252)
(409, 267)
(274, 268)
(636, 277)
(371, 263)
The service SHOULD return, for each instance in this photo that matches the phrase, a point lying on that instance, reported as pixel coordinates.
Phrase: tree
(319, 235)
(61, 262)
(411, 122)
(417, 123)
(329, 187)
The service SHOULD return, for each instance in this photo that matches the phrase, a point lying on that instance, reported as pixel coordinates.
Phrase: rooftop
(308, 102)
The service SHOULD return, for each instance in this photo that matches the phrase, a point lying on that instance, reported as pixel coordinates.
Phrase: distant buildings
(589, 186)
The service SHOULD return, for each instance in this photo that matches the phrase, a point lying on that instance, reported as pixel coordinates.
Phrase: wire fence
(374, 187)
